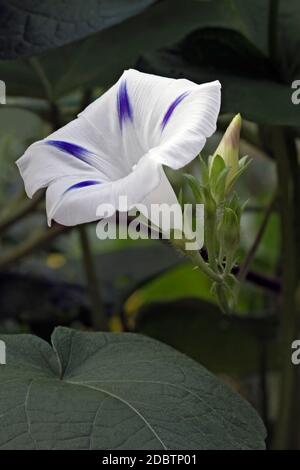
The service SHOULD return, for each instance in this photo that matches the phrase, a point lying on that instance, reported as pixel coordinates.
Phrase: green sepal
(180, 198)
(219, 190)
(204, 172)
(242, 168)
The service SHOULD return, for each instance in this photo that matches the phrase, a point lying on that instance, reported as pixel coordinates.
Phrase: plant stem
(37, 240)
(199, 261)
(98, 314)
(36, 65)
(272, 284)
(48, 89)
(210, 241)
(251, 253)
(24, 210)
(287, 169)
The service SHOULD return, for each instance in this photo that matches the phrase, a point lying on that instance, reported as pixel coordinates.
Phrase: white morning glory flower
(118, 145)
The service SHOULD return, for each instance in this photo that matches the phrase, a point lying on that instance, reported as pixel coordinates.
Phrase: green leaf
(121, 268)
(235, 206)
(230, 229)
(180, 198)
(197, 328)
(100, 59)
(189, 282)
(196, 188)
(217, 168)
(254, 18)
(274, 106)
(255, 15)
(116, 391)
(217, 165)
(29, 27)
(243, 167)
(203, 171)
(244, 161)
(220, 185)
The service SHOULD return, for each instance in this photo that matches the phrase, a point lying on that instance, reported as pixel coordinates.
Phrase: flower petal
(113, 117)
(168, 117)
(124, 105)
(162, 195)
(74, 151)
(171, 109)
(142, 122)
(71, 201)
(190, 118)
(172, 118)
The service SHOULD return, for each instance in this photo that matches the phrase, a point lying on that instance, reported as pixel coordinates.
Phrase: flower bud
(229, 232)
(228, 148)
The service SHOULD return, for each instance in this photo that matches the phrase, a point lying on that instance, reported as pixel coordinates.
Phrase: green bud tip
(228, 148)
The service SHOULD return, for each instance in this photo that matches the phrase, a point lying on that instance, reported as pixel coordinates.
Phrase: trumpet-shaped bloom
(118, 145)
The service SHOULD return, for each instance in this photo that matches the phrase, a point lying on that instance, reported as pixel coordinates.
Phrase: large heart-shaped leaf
(29, 27)
(116, 391)
(289, 37)
(239, 92)
(256, 16)
(100, 59)
(254, 20)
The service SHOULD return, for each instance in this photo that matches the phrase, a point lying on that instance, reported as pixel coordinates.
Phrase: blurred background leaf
(229, 345)
(30, 27)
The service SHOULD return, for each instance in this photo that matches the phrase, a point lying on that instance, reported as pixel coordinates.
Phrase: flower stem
(199, 261)
(55, 117)
(40, 72)
(244, 268)
(98, 314)
(36, 240)
(251, 253)
(22, 211)
(287, 169)
(210, 241)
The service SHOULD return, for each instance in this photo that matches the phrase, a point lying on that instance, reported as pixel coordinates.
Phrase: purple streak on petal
(82, 184)
(72, 149)
(171, 108)
(123, 103)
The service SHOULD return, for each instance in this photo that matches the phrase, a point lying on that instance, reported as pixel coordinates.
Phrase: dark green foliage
(116, 391)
